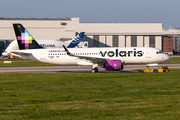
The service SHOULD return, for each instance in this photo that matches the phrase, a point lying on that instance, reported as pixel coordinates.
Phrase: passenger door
(43, 55)
(148, 53)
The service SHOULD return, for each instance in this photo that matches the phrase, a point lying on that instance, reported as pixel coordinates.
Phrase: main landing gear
(94, 68)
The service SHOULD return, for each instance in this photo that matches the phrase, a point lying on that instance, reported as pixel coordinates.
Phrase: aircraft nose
(167, 58)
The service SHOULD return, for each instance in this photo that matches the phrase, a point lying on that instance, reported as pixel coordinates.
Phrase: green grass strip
(173, 60)
(24, 64)
(101, 96)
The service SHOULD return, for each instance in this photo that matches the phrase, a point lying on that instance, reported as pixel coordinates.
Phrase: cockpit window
(159, 52)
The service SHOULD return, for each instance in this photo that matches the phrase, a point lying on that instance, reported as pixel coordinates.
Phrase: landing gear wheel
(155, 71)
(95, 70)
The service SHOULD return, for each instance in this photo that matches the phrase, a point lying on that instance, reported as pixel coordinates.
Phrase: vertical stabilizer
(24, 39)
(76, 40)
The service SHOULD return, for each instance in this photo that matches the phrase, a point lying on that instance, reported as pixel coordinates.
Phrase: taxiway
(67, 69)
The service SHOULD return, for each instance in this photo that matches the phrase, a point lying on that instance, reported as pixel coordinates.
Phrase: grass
(17, 59)
(101, 96)
(173, 60)
(24, 64)
(174, 69)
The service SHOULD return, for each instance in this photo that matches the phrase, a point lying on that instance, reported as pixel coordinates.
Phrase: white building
(97, 34)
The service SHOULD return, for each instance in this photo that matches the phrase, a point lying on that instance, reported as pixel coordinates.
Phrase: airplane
(47, 43)
(110, 58)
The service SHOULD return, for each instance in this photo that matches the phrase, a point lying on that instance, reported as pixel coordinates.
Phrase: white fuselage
(127, 55)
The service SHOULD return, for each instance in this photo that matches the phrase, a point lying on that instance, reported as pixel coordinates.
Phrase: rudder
(76, 40)
(24, 39)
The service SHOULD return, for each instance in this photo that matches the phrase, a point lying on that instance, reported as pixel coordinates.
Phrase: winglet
(67, 51)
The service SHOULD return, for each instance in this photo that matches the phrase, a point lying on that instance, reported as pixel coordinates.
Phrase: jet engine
(113, 65)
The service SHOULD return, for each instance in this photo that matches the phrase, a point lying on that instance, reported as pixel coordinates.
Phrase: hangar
(96, 34)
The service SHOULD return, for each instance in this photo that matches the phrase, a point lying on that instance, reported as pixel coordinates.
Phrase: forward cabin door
(148, 53)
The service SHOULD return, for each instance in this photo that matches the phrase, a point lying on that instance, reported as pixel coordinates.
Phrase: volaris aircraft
(110, 58)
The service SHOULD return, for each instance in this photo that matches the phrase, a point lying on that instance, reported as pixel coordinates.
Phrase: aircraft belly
(142, 60)
(37, 56)
(135, 60)
(62, 60)
(67, 61)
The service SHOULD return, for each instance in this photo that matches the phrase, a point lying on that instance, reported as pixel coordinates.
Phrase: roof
(2, 18)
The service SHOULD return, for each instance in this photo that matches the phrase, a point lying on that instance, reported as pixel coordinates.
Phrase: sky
(97, 11)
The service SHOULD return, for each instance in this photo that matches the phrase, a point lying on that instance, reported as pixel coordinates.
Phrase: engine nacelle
(113, 65)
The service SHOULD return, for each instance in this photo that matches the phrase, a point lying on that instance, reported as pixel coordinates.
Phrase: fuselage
(127, 55)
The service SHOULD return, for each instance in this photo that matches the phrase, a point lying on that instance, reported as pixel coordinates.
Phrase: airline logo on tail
(26, 41)
(25, 38)
(76, 40)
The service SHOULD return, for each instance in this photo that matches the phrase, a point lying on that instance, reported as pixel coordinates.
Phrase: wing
(94, 60)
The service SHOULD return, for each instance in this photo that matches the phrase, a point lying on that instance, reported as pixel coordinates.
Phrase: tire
(95, 70)
(155, 71)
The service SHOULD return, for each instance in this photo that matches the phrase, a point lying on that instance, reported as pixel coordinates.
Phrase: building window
(133, 41)
(169, 45)
(115, 40)
(169, 37)
(95, 40)
(63, 23)
(152, 41)
(169, 41)
(169, 49)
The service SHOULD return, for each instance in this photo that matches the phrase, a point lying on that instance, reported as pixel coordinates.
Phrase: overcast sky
(100, 11)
